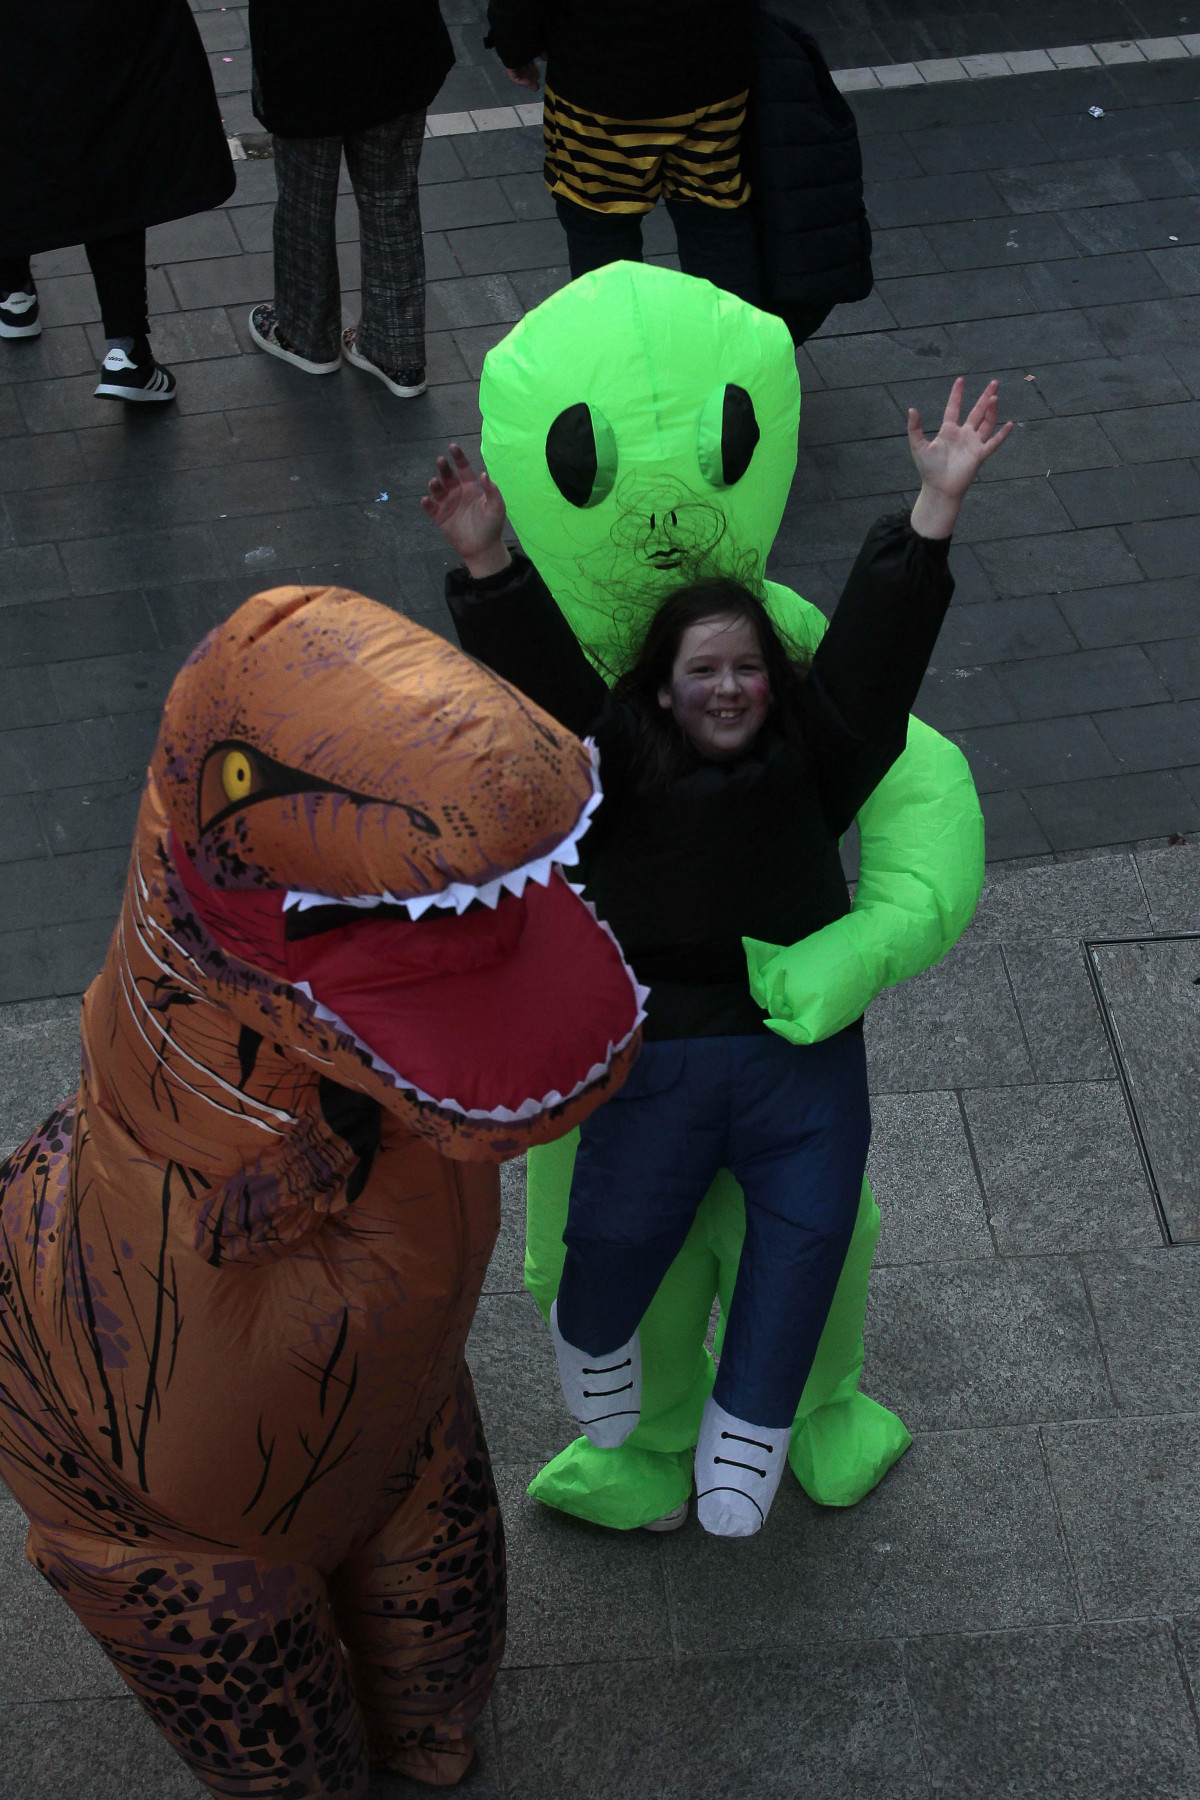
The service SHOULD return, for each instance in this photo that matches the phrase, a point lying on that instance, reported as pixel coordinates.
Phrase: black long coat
(322, 70)
(108, 121)
(805, 168)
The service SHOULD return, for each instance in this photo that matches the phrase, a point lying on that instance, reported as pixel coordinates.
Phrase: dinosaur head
(641, 426)
(365, 862)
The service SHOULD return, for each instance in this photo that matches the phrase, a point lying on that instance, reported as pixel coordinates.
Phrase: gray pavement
(1016, 1611)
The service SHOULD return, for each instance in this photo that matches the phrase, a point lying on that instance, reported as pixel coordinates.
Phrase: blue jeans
(793, 1124)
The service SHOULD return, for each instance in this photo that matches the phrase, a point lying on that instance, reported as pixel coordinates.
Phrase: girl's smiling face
(719, 691)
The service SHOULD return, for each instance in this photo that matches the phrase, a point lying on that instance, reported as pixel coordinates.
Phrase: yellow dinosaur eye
(236, 775)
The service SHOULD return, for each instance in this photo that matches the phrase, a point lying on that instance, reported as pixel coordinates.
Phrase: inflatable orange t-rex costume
(237, 1272)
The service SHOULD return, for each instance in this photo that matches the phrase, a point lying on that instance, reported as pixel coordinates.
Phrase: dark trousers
(118, 266)
(719, 244)
(383, 165)
(793, 1123)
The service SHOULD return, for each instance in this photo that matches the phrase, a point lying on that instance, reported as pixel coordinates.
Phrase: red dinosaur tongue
(493, 1010)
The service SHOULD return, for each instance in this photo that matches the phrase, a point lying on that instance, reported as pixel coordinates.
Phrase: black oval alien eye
(581, 454)
(728, 435)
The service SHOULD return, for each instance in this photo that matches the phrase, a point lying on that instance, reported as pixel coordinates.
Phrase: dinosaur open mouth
(501, 1013)
(498, 1001)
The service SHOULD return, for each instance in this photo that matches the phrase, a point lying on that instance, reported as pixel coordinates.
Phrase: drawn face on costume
(369, 834)
(719, 691)
(641, 424)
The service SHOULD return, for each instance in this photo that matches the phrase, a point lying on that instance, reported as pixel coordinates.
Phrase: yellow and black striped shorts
(623, 165)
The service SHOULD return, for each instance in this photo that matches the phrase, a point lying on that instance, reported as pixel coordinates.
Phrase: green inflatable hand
(641, 424)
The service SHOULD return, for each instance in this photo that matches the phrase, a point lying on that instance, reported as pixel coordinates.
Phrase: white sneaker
(603, 1393)
(670, 1521)
(19, 314)
(738, 1467)
(406, 384)
(264, 329)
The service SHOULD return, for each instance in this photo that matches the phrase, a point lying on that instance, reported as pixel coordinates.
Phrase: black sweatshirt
(729, 849)
(630, 59)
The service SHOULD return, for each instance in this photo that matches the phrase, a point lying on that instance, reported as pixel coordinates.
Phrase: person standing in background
(108, 124)
(643, 97)
(324, 82)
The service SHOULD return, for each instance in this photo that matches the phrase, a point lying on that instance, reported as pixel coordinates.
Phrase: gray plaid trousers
(383, 166)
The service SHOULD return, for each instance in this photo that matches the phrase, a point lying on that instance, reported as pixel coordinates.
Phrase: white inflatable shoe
(738, 1467)
(603, 1393)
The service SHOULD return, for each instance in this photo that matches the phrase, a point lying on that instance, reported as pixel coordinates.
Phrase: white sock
(604, 1393)
(738, 1466)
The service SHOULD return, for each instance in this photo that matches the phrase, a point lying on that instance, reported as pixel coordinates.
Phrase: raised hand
(949, 463)
(468, 509)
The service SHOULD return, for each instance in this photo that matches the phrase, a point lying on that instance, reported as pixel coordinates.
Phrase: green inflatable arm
(921, 874)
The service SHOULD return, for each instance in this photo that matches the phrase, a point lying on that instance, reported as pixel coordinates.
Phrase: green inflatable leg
(842, 1442)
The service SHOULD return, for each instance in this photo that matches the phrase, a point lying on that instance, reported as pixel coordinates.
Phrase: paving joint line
(988, 66)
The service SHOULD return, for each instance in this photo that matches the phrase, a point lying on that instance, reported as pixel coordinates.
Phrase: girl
(731, 770)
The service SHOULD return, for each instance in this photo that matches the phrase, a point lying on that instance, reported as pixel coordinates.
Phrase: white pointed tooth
(643, 993)
(575, 888)
(568, 853)
(292, 898)
(490, 895)
(515, 883)
(420, 906)
(541, 871)
(463, 897)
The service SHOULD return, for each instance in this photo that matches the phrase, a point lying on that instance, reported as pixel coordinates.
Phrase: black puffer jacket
(805, 167)
(320, 71)
(629, 59)
(108, 121)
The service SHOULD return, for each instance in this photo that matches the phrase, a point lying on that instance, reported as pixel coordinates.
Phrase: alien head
(641, 426)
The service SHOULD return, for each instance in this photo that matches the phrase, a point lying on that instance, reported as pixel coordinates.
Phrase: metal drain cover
(1149, 991)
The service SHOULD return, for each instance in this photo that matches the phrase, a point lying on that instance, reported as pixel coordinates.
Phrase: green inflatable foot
(841, 1451)
(621, 1488)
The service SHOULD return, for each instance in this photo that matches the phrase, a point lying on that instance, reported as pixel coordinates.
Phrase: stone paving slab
(832, 1721)
(1028, 1704)
(1031, 1352)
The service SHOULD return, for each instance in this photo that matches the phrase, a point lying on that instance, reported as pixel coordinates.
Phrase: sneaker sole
(109, 391)
(21, 331)
(671, 1521)
(369, 368)
(293, 356)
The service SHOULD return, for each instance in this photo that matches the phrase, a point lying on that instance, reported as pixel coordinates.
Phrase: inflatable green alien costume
(641, 423)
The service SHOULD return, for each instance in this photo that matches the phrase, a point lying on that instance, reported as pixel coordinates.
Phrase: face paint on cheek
(693, 691)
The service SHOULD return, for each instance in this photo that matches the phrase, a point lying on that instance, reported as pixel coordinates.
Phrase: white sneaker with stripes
(121, 378)
(738, 1466)
(604, 1393)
